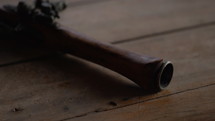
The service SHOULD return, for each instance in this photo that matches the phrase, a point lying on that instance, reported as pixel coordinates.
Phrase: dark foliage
(42, 12)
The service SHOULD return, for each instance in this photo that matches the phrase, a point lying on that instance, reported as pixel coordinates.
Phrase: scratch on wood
(17, 109)
(100, 110)
(112, 103)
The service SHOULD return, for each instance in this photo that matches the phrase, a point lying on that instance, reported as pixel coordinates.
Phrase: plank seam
(148, 100)
(187, 28)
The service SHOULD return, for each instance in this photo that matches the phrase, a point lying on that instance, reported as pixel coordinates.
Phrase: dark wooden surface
(36, 85)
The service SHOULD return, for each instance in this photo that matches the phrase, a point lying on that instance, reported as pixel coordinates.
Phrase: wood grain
(113, 21)
(120, 20)
(194, 105)
(67, 87)
(63, 88)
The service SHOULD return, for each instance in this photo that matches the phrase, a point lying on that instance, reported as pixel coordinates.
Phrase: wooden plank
(62, 88)
(56, 89)
(195, 105)
(115, 20)
(190, 51)
(111, 21)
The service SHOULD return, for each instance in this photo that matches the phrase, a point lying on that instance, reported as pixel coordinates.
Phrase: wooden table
(36, 85)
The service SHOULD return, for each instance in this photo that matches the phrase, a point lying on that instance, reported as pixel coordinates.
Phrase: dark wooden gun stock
(153, 74)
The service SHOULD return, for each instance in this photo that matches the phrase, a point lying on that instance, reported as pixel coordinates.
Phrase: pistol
(150, 73)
